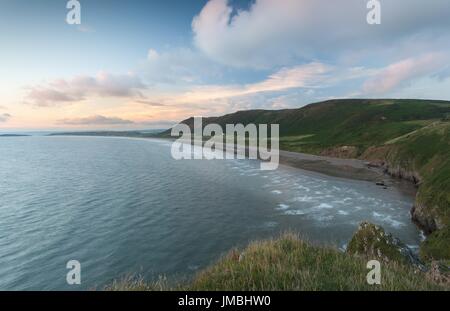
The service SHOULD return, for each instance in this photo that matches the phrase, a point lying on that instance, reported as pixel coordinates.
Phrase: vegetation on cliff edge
(289, 263)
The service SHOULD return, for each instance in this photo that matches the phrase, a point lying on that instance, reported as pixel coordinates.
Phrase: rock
(373, 242)
(420, 215)
(373, 164)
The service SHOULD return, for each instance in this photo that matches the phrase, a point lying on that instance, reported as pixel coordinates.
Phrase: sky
(149, 64)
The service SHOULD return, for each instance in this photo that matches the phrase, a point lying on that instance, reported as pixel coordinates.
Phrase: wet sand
(345, 168)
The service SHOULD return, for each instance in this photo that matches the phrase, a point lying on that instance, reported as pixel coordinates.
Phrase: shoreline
(336, 167)
(354, 169)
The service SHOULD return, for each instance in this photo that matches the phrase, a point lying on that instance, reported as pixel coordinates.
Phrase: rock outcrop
(421, 217)
(373, 242)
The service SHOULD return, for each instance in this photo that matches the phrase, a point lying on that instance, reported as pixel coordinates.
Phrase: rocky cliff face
(373, 242)
(400, 172)
(421, 217)
(420, 213)
(426, 217)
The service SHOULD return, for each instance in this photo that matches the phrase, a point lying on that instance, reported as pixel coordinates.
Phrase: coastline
(354, 169)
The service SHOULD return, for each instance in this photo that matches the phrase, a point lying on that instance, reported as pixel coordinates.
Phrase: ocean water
(124, 206)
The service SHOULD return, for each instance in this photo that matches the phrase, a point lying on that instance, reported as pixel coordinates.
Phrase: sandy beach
(345, 168)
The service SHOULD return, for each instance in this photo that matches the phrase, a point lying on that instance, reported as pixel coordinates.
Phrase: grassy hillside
(409, 138)
(289, 263)
(360, 123)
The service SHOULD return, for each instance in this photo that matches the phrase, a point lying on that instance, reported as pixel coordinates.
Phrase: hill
(408, 138)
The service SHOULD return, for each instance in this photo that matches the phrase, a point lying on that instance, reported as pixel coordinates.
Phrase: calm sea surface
(124, 206)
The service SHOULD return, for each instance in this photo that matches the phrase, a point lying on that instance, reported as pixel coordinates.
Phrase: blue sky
(114, 34)
(142, 64)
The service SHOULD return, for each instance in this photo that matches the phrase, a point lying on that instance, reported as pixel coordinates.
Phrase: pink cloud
(399, 73)
(80, 87)
(95, 120)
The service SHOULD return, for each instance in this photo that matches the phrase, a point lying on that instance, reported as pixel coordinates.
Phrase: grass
(289, 263)
(437, 246)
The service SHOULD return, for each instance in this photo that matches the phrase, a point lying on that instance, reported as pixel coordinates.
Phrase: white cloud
(276, 32)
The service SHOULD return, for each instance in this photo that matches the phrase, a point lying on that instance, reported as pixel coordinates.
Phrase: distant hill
(409, 138)
(13, 135)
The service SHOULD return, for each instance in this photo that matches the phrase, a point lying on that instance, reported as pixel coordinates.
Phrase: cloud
(99, 121)
(399, 73)
(304, 76)
(152, 55)
(288, 87)
(5, 117)
(77, 89)
(273, 32)
(178, 66)
(102, 121)
(158, 123)
(96, 120)
(150, 103)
